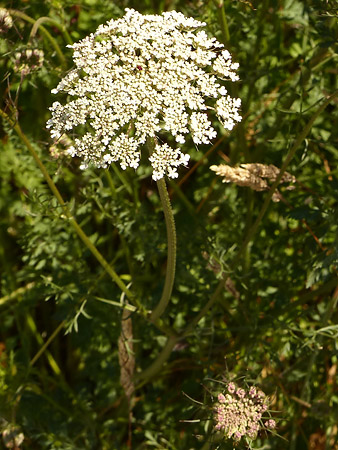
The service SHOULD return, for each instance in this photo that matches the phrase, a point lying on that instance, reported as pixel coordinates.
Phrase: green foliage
(275, 318)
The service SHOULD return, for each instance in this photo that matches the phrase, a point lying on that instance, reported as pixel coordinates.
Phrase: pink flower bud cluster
(28, 60)
(6, 21)
(238, 413)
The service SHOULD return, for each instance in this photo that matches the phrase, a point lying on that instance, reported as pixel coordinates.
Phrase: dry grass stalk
(254, 176)
(126, 354)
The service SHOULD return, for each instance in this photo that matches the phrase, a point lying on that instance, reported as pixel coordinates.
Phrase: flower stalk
(53, 23)
(171, 242)
(223, 21)
(171, 238)
(137, 78)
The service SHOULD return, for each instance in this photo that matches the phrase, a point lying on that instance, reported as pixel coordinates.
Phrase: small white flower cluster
(239, 413)
(138, 76)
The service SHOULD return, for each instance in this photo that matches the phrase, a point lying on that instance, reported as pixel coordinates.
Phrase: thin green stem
(63, 323)
(51, 360)
(47, 343)
(248, 224)
(171, 239)
(54, 23)
(174, 187)
(162, 358)
(122, 179)
(223, 21)
(17, 293)
(123, 240)
(167, 330)
(156, 366)
(121, 305)
(205, 309)
(308, 296)
(171, 261)
(110, 182)
(331, 307)
(288, 158)
(21, 15)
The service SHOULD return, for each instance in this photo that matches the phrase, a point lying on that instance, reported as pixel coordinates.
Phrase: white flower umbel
(140, 77)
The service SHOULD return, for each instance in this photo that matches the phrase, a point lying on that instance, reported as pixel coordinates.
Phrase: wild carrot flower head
(238, 413)
(140, 77)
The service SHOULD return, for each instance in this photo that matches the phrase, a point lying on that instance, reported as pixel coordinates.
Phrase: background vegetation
(273, 322)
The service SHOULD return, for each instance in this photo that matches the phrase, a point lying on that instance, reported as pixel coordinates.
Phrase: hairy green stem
(21, 15)
(171, 239)
(290, 155)
(171, 261)
(172, 339)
